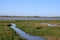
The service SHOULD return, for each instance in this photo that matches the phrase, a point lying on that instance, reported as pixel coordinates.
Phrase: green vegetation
(32, 27)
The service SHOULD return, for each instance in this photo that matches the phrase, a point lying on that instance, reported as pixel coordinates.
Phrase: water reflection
(25, 35)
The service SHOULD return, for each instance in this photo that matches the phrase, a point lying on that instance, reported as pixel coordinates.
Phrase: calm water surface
(29, 18)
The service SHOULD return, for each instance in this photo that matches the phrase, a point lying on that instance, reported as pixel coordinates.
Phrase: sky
(30, 7)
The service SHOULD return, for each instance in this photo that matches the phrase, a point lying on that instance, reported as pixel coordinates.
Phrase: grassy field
(32, 27)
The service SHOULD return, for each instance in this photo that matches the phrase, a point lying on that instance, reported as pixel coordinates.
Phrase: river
(29, 18)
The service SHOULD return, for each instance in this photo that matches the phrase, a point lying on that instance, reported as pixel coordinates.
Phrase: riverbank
(31, 27)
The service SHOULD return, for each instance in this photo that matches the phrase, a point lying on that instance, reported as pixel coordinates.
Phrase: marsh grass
(31, 27)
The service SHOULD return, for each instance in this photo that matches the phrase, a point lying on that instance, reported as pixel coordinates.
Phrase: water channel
(25, 35)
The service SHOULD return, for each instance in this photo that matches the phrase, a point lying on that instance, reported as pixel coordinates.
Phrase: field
(32, 27)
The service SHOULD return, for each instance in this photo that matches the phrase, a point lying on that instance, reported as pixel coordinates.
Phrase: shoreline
(26, 17)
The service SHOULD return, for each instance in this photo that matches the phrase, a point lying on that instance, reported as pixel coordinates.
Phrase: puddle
(50, 24)
(25, 35)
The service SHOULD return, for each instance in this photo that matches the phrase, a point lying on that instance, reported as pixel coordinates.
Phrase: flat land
(32, 27)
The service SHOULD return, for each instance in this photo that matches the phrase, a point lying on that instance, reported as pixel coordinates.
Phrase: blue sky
(30, 7)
